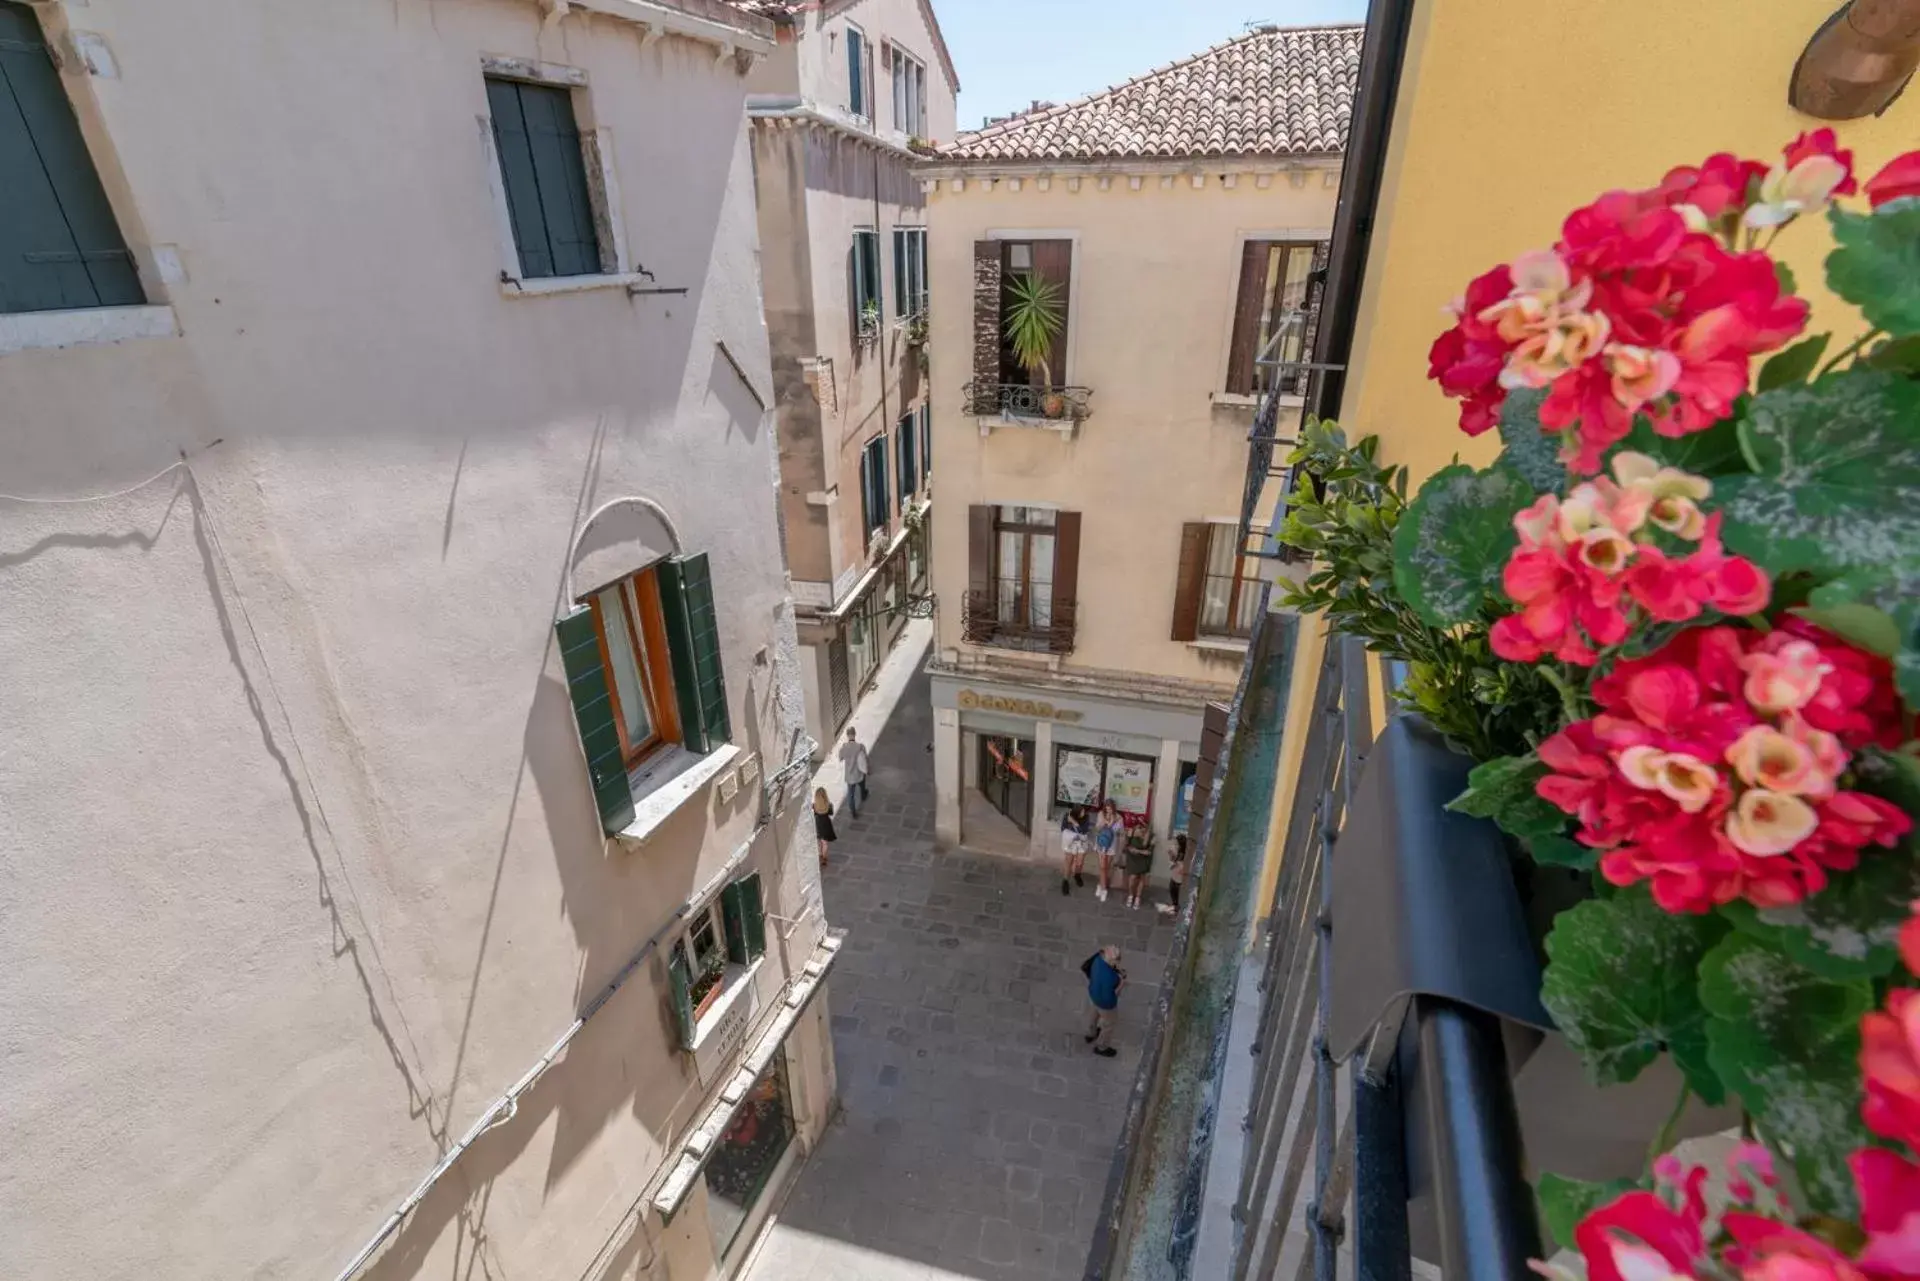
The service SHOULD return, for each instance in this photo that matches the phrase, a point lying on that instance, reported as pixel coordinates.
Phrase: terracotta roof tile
(1284, 91)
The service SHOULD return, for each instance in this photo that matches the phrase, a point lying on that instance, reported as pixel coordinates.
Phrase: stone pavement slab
(976, 1127)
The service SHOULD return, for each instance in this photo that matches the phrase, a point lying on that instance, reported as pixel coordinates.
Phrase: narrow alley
(976, 1127)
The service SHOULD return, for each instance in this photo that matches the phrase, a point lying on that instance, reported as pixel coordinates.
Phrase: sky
(1009, 52)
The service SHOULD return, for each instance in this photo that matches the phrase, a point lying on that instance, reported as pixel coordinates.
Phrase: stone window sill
(88, 327)
(545, 286)
(668, 780)
(1219, 645)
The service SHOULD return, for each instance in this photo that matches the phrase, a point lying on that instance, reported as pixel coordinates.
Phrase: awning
(699, 1144)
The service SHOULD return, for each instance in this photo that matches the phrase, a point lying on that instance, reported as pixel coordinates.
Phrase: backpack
(1086, 966)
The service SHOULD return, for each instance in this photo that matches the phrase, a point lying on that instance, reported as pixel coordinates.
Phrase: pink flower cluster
(1714, 769)
(1588, 568)
(1640, 308)
(1670, 1235)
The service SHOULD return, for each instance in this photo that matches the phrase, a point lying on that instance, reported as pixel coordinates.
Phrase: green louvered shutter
(693, 636)
(682, 983)
(593, 713)
(753, 914)
(544, 172)
(736, 925)
(60, 247)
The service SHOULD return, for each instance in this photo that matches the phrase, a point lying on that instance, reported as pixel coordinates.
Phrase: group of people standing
(1108, 835)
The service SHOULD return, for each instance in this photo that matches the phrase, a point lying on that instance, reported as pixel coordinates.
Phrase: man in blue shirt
(1105, 978)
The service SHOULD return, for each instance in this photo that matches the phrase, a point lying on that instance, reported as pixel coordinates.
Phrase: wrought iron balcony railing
(1020, 402)
(984, 622)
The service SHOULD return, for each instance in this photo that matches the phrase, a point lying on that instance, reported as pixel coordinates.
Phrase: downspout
(1362, 173)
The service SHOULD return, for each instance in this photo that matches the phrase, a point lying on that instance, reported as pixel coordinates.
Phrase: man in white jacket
(853, 759)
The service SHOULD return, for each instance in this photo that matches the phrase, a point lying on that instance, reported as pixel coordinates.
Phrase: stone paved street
(976, 1126)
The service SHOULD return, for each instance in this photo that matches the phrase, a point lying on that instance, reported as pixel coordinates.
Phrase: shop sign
(720, 1044)
(1039, 709)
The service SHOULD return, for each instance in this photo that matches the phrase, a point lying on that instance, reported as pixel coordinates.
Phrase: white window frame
(603, 182)
(908, 78)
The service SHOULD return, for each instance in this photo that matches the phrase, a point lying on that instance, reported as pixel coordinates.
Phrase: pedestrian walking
(1074, 825)
(1109, 831)
(1176, 876)
(853, 760)
(823, 822)
(1139, 863)
(1105, 978)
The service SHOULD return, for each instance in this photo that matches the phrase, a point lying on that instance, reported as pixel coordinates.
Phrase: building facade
(840, 110)
(1093, 595)
(405, 864)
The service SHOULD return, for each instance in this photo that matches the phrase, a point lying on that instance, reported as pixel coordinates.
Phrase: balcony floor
(976, 1128)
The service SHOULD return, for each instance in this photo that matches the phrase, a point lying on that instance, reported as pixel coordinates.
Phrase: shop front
(1032, 752)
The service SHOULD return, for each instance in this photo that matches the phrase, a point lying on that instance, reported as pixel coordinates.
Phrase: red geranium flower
(1890, 1064)
(1898, 178)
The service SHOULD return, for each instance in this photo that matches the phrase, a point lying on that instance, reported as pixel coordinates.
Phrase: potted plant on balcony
(705, 989)
(1677, 624)
(1033, 319)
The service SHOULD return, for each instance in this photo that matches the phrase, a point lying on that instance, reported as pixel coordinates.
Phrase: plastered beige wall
(1154, 277)
(300, 866)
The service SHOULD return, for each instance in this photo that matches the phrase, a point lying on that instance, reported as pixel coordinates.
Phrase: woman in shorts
(1074, 825)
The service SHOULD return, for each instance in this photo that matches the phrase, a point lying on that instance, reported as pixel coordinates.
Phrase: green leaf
(1787, 1043)
(1893, 776)
(1560, 851)
(1784, 274)
(1875, 264)
(1896, 356)
(1620, 984)
(1847, 930)
(1564, 1202)
(1502, 790)
(1838, 483)
(1793, 365)
(1713, 452)
(1454, 540)
(1877, 609)
(1532, 454)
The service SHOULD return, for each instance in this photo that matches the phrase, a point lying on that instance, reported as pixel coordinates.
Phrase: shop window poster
(1077, 778)
(1129, 784)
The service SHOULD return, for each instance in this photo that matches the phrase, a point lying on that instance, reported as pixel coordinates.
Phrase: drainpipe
(1859, 60)
(1362, 171)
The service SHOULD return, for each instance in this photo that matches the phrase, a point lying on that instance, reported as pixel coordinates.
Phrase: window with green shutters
(60, 246)
(904, 455)
(544, 172)
(875, 510)
(699, 972)
(866, 283)
(644, 674)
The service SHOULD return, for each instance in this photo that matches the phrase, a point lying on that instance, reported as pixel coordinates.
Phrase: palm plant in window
(869, 322)
(1032, 320)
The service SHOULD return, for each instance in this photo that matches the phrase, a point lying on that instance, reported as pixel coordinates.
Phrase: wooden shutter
(734, 923)
(987, 277)
(545, 175)
(901, 289)
(1247, 306)
(681, 983)
(693, 639)
(1053, 261)
(979, 614)
(1192, 580)
(593, 715)
(753, 914)
(1066, 580)
(60, 247)
(903, 464)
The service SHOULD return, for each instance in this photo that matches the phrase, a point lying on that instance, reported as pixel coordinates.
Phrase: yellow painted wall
(1509, 117)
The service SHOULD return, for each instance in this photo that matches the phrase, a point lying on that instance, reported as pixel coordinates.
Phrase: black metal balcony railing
(1040, 405)
(986, 619)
